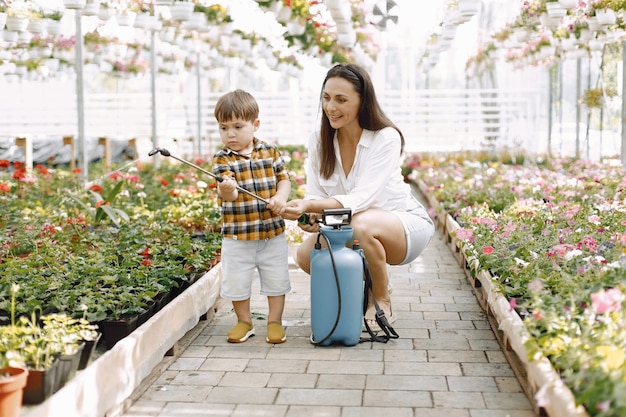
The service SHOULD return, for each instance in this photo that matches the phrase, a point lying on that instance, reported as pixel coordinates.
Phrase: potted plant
(12, 383)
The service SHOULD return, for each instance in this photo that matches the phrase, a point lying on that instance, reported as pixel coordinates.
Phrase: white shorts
(240, 258)
(418, 231)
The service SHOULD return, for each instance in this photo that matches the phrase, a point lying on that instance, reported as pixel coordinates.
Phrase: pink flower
(488, 250)
(464, 234)
(535, 285)
(560, 250)
(604, 405)
(595, 219)
(607, 301)
(487, 221)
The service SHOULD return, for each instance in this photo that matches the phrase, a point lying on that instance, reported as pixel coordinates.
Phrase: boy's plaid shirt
(248, 218)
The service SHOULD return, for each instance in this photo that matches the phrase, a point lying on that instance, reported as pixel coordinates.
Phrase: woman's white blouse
(375, 180)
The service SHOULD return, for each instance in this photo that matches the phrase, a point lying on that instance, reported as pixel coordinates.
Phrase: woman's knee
(303, 255)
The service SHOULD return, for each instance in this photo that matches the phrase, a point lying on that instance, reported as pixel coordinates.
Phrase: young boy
(252, 231)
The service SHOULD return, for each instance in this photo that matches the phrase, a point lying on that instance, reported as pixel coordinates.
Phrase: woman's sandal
(370, 316)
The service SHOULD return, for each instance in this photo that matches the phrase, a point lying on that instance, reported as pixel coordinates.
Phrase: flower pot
(12, 391)
(181, 10)
(555, 10)
(469, 7)
(126, 18)
(91, 9)
(87, 352)
(40, 384)
(606, 16)
(53, 27)
(16, 23)
(115, 330)
(68, 365)
(105, 14)
(568, 4)
(74, 4)
(9, 36)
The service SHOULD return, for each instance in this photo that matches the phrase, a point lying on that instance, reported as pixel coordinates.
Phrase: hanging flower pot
(126, 18)
(181, 10)
(53, 27)
(36, 26)
(12, 383)
(24, 37)
(606, 16)
(469, 7)
(16, 23)
(9, 36)
(74, 4)
(142, 20)
(105, 13)
(91, 9)
(568, 4)
(52, 64)
(555, 10)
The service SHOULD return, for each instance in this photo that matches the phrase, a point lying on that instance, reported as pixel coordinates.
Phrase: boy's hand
(277, 205)
(227, 186)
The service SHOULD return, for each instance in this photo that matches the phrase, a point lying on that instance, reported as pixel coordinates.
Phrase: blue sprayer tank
(324, 296)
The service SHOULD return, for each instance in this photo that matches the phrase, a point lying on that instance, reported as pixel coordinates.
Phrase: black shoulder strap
(381, 320)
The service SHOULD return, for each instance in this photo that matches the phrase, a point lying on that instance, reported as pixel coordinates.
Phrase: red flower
(20, 174)
(96, 188)
(4, 187)
(101, 203)
(42, 169)
(146, 262)
(77, 171)
(488, 250)
(4, 163)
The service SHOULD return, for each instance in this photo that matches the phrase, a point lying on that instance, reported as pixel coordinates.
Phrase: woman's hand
(294, 209)
(312, 226)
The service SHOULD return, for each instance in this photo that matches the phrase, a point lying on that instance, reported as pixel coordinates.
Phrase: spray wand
(165, 152)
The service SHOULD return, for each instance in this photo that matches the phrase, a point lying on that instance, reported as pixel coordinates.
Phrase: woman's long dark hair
(371, 115)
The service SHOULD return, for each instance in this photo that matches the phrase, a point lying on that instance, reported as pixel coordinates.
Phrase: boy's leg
(275, 329)
(244, 327)
(276, 305)
(242, 310)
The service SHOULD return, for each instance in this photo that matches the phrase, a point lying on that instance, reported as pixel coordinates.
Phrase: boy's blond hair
(237, 104)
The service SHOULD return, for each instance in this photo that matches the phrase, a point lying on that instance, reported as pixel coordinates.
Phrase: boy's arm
(227, 189)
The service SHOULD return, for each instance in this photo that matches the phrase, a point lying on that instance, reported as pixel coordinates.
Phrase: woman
(355, 162)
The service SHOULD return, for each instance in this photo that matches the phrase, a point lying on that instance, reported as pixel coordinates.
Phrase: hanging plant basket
(181, 10)
(16, 23)
(74, 4)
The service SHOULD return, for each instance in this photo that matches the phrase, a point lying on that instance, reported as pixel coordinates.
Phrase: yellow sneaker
(241, 332)
(275, 333)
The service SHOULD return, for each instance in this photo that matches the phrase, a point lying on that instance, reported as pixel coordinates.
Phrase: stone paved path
(446, 363)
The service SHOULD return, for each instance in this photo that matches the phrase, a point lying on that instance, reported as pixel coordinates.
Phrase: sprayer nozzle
(162, 151)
